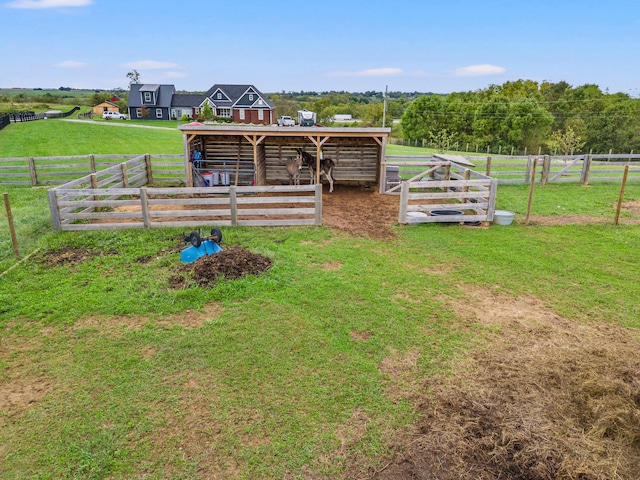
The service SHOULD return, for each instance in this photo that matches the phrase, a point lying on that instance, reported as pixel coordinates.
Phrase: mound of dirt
(232, 263)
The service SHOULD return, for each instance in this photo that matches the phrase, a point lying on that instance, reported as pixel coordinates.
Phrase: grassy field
(310, 370)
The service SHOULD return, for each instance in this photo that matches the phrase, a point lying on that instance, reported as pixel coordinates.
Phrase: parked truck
(306, 118)
(286, 121)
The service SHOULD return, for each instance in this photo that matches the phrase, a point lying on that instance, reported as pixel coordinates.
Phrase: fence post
(144, 207)
(404, 200)
(32, 172)
(147, 162)
(493, 190)
(488, 170)
(586, 167)
(233, 205)
(125, 177)
(55, 211)
(92, 163)
(527, 173)
(12, 228)
(318, 201)
(621, 197)
(546, 166)
(531, 188)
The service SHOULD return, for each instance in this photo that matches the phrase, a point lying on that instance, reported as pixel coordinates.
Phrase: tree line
(525, 115)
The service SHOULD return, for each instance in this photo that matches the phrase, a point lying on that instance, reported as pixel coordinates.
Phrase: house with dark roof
(240, 103)
(150, 101)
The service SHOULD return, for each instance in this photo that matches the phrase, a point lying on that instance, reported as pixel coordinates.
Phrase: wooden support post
(53, 207)
(527, 173)
(125, 177)
(318, 200)
(144, 207)
(32, 172)
(318, 151)
(233, 205)
(493, 190)
(12, 228)
(488, 170)
(586, 168)
(546, 166)
(531, 187)
(92, 163)
(404, 200)
(621, 197)
(147, 162)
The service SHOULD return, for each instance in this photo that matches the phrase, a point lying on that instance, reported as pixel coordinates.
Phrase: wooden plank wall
(116, 208)
(356, 161)
(452, 188)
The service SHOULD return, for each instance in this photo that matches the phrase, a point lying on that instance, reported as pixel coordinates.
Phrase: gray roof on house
(186, 100)
(165, 95)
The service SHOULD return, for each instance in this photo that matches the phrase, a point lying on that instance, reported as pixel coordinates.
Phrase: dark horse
(326, 166)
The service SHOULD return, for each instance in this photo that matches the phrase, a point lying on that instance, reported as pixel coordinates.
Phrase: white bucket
(216, 178)
(225, 178)
(208, 179)
(503, 217)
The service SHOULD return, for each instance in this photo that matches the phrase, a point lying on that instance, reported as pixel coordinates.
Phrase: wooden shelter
(256, 155)
(105, 107)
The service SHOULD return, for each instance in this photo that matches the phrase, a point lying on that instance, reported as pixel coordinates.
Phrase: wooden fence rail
(447, 187)
(37, 171)
(557, 169)
(116, 208)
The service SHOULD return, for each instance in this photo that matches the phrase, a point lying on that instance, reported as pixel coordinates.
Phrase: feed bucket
(503, 217)
(216, 178)
(208, 179)
(446, 213)
(225, 178)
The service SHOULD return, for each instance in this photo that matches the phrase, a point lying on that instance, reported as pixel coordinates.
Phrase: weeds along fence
(447, 192)
(44, 171)
(549, 169)
(118, 197)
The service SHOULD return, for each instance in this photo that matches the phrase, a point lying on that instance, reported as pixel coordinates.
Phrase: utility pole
(384, 106)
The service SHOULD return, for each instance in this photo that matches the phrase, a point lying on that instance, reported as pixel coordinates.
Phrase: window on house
(139, 112)
(251, 97)
(261, 114)
(219, 96)
(224, 112)
(241, 113)
(158, 113)
(147, 97)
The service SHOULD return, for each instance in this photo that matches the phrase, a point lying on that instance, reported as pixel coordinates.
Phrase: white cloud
(39, 4)
(71, 64)
(479, 70)
(150, 65)
(371, 72)
(175, 75)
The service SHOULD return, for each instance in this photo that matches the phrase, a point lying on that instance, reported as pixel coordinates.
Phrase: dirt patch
(71, 256)
(231, 263)
(360, 211)
(549, 398)
(18, 394)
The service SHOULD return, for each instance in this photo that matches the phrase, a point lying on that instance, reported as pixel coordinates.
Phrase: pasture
(379, 352)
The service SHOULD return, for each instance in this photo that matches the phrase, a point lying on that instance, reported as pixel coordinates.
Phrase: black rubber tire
(216, 234)
(195, 239)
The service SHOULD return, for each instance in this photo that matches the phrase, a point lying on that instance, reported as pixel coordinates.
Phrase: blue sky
(352, 45)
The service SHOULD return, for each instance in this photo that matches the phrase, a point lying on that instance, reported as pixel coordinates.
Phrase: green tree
(133, 76)
(206, 113)
(425, 115)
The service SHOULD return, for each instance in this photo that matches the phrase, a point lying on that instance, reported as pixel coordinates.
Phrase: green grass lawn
(266, 384)
(57, 137)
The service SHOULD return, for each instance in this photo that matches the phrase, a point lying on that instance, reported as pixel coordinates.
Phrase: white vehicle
(306, 118)
(286, 121)
(114, 116)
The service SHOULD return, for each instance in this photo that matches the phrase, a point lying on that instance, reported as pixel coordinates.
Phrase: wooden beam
(378, 140)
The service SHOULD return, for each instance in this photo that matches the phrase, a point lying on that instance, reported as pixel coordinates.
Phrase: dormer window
(147, 97)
